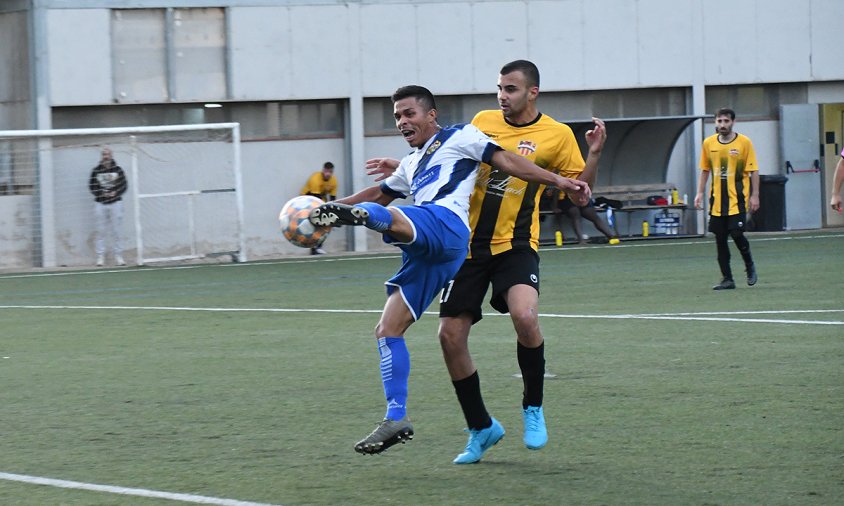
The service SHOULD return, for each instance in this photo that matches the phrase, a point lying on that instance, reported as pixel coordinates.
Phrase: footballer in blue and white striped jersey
(443, 170)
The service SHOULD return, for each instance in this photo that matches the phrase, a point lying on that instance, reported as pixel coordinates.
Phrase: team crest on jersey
(526, 148)
(734, 152)
(435, 146)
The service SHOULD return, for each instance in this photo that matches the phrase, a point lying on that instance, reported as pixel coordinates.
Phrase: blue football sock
(379, 218)
(395, 371)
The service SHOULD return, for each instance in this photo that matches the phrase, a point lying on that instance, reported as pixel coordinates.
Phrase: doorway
(832, 142)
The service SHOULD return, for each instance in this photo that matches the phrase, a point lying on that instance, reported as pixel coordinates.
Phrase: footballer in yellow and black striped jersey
(503, 209)
(731, 164)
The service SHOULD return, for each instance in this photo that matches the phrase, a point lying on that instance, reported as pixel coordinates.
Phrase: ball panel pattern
(295, 227)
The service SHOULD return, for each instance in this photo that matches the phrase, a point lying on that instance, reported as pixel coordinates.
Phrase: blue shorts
(439, 246)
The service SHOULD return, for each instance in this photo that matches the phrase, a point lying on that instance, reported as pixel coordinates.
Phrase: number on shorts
(447, 291)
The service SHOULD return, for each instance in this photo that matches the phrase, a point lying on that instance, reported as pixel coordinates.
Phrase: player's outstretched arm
(383, 167)
(526, 170)
(522, 168)
(595, 139)
(597, 136)
(578, 191)
(371, 194)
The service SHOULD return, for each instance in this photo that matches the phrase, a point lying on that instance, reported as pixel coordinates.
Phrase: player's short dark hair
(527, 68)
(328, 165)
(420, 93)
(726, 111)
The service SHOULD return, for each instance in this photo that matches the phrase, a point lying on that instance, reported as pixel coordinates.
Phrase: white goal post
(184, 199)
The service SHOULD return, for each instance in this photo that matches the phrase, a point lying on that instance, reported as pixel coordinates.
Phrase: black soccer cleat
(751, 275)
(333, 214)
(725, 284)
(385, 435)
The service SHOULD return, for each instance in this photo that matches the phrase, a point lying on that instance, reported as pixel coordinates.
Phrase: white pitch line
(139, 492)
(685, 317)
(746, 320)
(209, 309)
(760, 311)
(702, 316)
(667, 242)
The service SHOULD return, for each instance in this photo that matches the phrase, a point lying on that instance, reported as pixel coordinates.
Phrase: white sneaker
(100, 260)
(317, 251)
(119, 260)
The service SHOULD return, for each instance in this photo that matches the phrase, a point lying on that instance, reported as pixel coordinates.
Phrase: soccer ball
(295, 226)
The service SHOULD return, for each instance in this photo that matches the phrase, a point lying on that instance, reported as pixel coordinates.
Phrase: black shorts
(724, 224)
(466, 292)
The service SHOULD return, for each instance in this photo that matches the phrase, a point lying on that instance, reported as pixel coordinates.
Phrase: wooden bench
(634, 198)
(628, 199)
(633, 195)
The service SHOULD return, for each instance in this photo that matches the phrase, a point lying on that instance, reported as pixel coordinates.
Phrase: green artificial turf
(665, 392)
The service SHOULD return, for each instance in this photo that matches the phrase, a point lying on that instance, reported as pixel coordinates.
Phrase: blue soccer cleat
(479, 442)
(536, 435)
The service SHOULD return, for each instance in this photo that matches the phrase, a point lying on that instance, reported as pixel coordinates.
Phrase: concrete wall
(15, 102)
(315, 51)
(273, 173)
(16, 213)
(80, 70)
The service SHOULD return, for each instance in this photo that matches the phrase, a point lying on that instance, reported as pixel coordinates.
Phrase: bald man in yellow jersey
(734, 193)
(504, 216)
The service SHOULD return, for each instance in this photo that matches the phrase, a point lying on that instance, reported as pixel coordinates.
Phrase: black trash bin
(771, 213)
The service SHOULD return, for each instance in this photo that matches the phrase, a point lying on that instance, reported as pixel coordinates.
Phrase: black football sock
(468, 392)
(532, 365)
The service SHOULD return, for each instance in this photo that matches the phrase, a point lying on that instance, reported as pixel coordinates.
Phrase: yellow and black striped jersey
(504, 210)
(730, 165)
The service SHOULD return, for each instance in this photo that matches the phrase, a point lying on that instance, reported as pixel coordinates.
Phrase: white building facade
(309, 82)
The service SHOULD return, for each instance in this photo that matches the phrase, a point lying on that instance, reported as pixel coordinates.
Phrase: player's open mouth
(407, 133)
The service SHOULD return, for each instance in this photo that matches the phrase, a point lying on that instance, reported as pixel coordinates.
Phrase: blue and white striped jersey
(444, 170)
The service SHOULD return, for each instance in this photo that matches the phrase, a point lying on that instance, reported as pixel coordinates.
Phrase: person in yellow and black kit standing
(734, 193)
(322, 185)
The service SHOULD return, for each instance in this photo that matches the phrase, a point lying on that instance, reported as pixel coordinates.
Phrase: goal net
(184, 196)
